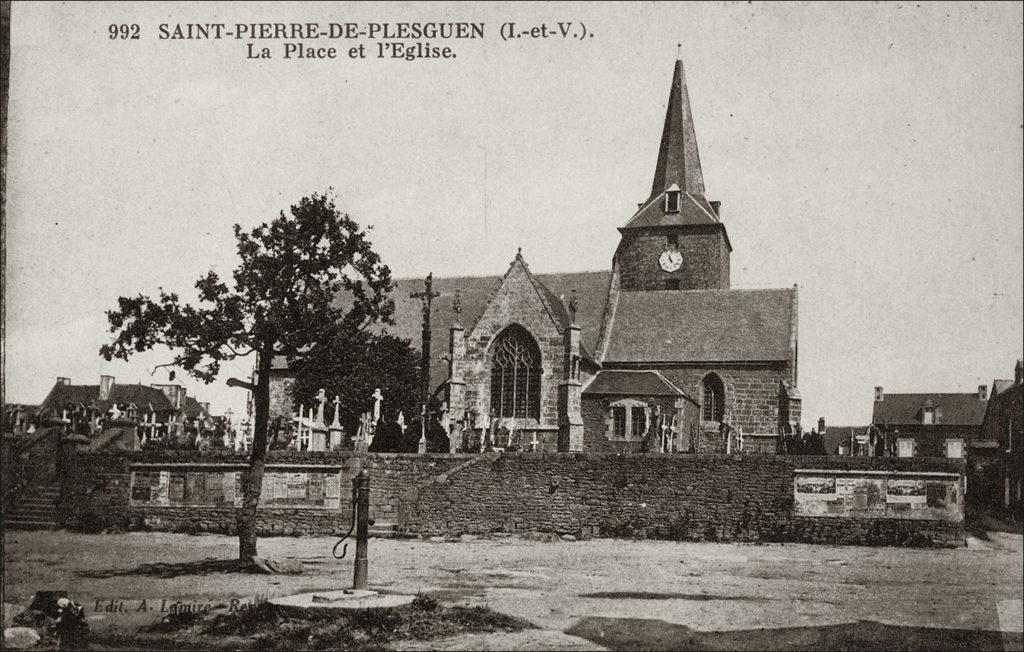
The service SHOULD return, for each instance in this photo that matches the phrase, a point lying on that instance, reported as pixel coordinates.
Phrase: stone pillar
(680, 433)
(455, 392)
(570, 411)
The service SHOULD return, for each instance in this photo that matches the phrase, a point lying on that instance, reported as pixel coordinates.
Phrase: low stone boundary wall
(702, 498)
(864, 501)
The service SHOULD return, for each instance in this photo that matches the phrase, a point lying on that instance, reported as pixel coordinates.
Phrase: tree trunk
(246, 518)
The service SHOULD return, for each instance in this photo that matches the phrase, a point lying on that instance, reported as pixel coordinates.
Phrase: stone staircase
(37, 510)
(388, 531)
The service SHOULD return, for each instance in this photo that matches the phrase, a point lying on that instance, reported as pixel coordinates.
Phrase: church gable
(523, 304)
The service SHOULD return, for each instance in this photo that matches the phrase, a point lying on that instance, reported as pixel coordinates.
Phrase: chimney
(982, 392)
(206, 407)
(879, 394)
(106, 384)
(717, 207)
(61, 380)
(179, 401)
(821, 425)
(1018, 372)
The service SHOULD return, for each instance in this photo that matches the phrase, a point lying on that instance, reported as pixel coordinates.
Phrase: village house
(656, 353)
(1001, 441)
(929, 425)
(149, 413)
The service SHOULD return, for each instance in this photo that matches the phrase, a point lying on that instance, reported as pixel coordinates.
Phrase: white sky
(870, 153)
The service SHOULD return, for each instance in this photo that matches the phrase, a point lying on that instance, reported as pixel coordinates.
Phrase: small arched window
(515, 375)
(713, 398)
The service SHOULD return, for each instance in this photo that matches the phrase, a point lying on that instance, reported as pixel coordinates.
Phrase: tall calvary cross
(426, 297)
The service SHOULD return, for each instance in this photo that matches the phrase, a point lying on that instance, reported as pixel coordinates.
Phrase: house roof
(141, 395)
(702, 326)
(950, 409)
(834, 435)
(1001, 385)
(622, 382)
(193, 409)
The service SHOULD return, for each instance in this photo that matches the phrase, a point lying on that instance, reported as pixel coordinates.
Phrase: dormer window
(672, 199)
(928, 413)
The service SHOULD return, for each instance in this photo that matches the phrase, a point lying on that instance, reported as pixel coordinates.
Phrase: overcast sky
(871, 154)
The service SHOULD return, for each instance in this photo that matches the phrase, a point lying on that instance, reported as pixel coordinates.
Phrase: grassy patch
(269, 627)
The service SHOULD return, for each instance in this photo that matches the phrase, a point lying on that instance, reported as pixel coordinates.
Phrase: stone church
(658, 353)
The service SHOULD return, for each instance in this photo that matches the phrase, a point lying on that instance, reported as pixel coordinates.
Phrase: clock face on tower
(671, 260)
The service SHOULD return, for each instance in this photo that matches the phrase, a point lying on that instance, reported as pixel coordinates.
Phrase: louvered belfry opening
(515, 374)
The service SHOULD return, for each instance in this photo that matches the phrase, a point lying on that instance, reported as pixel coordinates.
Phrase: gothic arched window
(713, 394)
(515, 374)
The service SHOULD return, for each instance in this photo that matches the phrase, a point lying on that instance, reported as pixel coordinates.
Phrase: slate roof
(193, 409)
(631, 383)
(702, 326)
(1001, 385)
(950, 409)
(692, 210)
(475, 293)
(141, 395)
(834, 435)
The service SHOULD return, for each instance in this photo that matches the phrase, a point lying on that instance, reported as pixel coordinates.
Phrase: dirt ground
(613, 594)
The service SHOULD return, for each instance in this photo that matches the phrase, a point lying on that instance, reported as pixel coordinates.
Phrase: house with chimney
(657, 353)
(1001, 443)
(149, 412)
(929, 425)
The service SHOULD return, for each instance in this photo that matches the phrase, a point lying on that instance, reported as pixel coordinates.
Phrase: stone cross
(423, 430)
(377, 398)
(401, 421)
(337, 403)
(321, 396)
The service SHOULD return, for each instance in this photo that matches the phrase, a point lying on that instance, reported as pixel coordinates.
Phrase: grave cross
(337, 405)
(377, 398)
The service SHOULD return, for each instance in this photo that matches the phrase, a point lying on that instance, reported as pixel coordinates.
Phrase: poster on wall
(894, 495)
(305, 489)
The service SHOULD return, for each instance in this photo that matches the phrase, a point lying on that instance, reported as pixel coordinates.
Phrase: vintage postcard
(532, 326)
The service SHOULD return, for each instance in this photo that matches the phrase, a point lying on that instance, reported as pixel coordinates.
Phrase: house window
(713, 398)
(515, 375)
(619, 422)
(904, 447)
(637, 421)
(673, 241)
(955, 448)
(928, 416)
(628, 420)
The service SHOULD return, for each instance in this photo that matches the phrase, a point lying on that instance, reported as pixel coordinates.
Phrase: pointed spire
(678, 159)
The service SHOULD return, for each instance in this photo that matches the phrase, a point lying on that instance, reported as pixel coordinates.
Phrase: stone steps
(36, 511)
(388, 531)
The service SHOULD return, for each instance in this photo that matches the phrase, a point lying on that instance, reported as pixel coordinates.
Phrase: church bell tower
(676, 239)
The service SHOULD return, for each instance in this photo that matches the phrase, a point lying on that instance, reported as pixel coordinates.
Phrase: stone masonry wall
(596, 416)
(752, 394)
(516, 302)
(679, 497)
(98, 484)
(705, 259)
